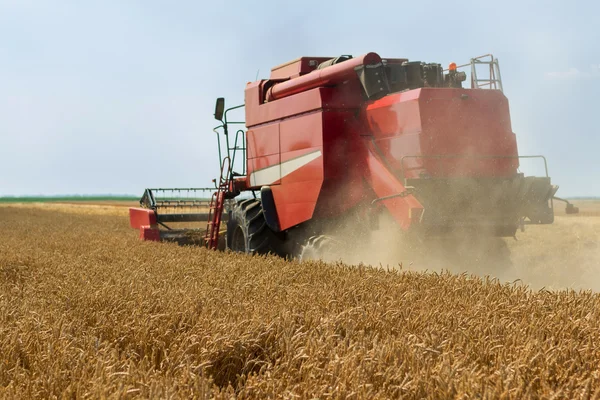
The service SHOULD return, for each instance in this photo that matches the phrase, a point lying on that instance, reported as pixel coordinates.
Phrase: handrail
(483, 157)
(471, 62)
(224, 126)
(235, 148)
(494, 80)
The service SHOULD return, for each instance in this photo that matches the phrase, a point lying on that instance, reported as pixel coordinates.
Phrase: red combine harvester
(335, 140)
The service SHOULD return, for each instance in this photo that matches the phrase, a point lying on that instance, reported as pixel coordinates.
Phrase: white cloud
(574, 73)
(571, 73)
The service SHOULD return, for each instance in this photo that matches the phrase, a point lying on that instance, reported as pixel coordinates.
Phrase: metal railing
(466, 156)
(239, 143)
(492, 78)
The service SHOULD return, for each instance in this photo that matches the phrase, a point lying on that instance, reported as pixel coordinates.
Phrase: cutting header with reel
(336, 142)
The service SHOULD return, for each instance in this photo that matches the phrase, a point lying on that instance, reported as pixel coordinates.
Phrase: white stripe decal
(267, 176)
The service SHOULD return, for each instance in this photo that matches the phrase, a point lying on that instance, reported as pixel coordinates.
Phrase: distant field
(69, 199)
(125, 201)
(128, 201)
(120, 208)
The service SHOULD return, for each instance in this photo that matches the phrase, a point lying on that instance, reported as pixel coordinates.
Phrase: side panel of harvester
(301, 168)
(315, 163)
(286, 154)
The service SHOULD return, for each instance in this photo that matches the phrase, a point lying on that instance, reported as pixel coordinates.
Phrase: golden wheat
(88, 311)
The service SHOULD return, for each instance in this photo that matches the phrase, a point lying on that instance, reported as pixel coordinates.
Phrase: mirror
(219, 108)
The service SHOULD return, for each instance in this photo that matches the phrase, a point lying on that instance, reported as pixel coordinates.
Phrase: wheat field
(88, 311)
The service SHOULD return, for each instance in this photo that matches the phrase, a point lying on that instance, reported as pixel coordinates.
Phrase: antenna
(257, 74)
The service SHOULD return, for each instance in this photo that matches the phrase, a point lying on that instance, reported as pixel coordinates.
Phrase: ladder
(492, 78)
(217, 203)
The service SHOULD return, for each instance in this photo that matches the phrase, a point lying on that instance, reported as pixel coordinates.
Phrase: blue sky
(114, 96)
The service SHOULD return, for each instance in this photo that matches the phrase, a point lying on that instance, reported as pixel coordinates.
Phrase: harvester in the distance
(331, 140)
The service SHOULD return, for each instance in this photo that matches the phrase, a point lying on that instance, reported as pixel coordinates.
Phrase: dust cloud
(563, 255)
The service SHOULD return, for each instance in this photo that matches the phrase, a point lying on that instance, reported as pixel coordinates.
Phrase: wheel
(247, 230)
